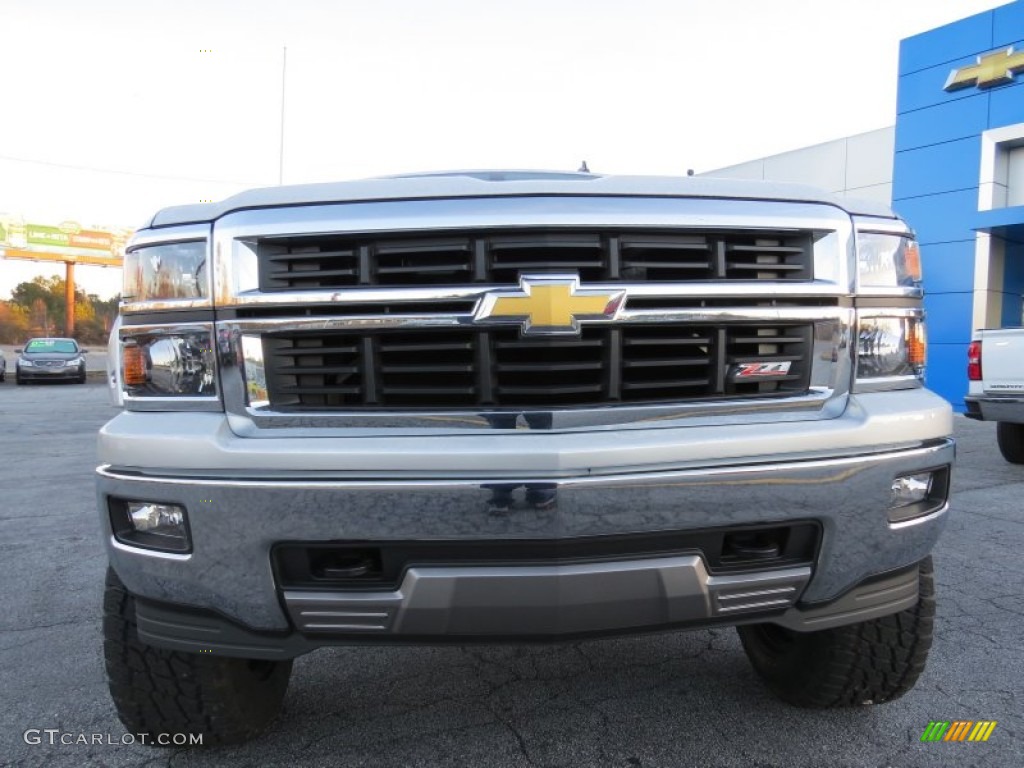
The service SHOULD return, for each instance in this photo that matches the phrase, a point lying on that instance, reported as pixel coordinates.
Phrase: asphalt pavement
(677, 699)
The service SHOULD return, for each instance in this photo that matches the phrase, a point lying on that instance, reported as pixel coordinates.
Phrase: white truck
(995, 372)
(517, 406)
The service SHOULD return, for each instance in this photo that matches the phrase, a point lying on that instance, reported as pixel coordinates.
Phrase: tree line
(38, 308)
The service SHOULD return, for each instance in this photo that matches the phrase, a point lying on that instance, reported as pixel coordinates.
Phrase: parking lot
(671, 699)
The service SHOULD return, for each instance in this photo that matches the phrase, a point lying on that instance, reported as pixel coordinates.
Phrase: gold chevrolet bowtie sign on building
(549, 305)
(991, 69)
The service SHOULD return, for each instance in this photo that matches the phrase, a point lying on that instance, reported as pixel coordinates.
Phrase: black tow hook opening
(345, 564)
(754, 545)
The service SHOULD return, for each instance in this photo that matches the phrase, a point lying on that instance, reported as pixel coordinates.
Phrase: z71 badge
(761, 370)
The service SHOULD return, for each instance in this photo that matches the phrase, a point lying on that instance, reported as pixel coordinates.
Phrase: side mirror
(17, 350)
(84, 351)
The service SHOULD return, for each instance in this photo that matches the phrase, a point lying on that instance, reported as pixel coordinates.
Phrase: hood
(462, 184)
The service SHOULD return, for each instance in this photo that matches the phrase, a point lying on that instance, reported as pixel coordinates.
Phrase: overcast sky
(113, 109)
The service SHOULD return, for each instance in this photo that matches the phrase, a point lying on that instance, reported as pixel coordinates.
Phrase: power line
(129, 173)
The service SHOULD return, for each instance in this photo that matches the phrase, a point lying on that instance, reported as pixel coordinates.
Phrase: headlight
(170, 362)
(22, 363)
(166, 272)
(886, 262)
(74, 363)
(891, 349)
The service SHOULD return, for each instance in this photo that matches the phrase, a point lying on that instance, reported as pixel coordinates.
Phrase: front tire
(1011, 441)
(157, 691)
(867, 663)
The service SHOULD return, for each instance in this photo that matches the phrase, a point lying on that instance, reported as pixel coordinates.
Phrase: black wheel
(157, 691)
(80, 379)
(18, 380)
(867, 663)
(1011, 441)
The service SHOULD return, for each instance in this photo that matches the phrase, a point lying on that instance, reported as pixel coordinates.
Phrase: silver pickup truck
(511, 406)
(995, 373)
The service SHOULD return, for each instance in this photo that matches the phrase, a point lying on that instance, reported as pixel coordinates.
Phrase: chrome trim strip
(236, 235)
(154, 553)
(920, 519)
(935, 454)
(916, 312)
(699, 316)
(165, 305)
(242, 374)
(176, 234)
(880, 226)
(738, 289)
(886, 384)
(163, 329)
(895, 292)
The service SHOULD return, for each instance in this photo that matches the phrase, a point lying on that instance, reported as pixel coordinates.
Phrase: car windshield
(51, 345)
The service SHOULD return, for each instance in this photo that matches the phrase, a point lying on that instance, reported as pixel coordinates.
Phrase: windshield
(51, 345)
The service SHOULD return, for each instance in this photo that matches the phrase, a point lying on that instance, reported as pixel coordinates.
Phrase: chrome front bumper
(235, 524)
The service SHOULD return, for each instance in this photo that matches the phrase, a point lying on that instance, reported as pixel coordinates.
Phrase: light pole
(284, 67)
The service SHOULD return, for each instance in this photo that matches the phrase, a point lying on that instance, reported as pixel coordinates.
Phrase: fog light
(919, 494)
(910, 489)
(152, 525)
(164, 519)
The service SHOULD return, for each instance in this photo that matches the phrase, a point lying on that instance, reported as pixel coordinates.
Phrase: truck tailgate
(1002, 360)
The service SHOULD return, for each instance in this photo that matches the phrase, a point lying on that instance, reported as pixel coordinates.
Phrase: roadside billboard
(67, 241)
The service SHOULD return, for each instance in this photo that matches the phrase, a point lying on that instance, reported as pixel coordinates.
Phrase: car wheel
(1011, 441)
(81, 379)
(18, 380)
(156, 691)
(867, 663)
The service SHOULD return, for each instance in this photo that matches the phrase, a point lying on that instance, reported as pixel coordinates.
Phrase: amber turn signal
(133, 358)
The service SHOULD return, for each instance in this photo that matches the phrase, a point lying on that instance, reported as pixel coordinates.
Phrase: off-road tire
(1011, 441)
(867, 663)
(157, 691)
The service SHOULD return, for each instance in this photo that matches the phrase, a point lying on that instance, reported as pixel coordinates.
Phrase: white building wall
(853, 166)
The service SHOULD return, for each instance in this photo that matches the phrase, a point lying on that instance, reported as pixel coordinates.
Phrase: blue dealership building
(953, 167)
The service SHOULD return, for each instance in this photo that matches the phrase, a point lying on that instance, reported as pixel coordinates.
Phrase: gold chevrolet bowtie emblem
(993, 69)
(549, 305)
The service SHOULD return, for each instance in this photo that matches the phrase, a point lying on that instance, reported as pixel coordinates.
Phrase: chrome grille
(472, 368)
(337, 261)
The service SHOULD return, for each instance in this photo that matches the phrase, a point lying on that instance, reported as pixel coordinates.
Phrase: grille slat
(524, 367)
(433, 368)
(664, 362)
(474, 369)
(417, 269)
(313, 275)
(559, 389)
(337, 261)
(663, 384)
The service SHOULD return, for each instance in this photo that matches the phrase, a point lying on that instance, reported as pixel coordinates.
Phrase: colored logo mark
(549, 304)
(958, 730)
(993, 69)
